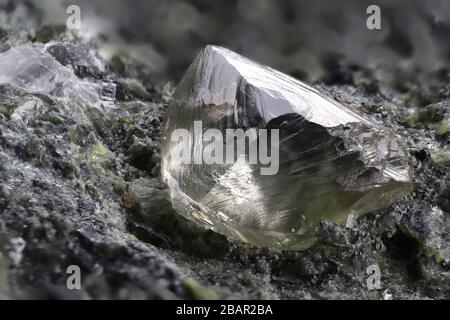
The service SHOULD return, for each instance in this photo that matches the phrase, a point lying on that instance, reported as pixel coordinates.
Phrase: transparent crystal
(32, 68)
(335, 163)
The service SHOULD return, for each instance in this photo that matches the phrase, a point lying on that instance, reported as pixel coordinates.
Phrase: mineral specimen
(334, 162)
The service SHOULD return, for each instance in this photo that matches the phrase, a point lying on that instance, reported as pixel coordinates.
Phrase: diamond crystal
(334, 161)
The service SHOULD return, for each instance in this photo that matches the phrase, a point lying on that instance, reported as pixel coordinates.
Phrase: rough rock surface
(79, 183)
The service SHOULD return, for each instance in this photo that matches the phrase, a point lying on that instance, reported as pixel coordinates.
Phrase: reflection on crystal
(333, 160)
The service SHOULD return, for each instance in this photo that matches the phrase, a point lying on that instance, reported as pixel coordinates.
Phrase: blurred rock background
(295, 36)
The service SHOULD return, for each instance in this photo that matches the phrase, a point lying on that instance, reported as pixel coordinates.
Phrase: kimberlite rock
(317, 159)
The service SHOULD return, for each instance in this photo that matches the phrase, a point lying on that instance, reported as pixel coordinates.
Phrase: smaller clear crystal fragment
(32, 68)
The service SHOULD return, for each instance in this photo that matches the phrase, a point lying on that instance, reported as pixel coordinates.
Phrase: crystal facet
(335, 162)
